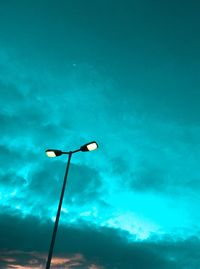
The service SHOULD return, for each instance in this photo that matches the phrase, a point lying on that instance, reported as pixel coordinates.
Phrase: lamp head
(53, 153)
(89, 146)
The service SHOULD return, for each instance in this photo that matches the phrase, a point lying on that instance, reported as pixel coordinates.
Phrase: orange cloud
(34, 260)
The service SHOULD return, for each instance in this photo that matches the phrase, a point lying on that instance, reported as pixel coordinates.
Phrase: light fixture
(89, 146)
(51, 153)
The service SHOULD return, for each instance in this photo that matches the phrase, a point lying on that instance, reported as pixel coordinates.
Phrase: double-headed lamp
(87, 147)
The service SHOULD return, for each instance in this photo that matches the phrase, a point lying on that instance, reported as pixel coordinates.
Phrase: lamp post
(55, 153)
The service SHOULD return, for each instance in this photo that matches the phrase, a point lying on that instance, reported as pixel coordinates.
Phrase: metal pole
(58, 214)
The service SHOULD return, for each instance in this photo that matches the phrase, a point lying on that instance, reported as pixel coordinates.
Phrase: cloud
(28, 260)
(140, 151)
(36, 190)
(138, 107)
(84, 245)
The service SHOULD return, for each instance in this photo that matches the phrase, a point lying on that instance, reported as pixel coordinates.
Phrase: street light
(55, 153)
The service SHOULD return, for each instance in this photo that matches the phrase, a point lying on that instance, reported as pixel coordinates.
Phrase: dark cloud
(38, 191)
(150, 179)
(172, 178)
(84, 183)
(119, 166)
(24, 239)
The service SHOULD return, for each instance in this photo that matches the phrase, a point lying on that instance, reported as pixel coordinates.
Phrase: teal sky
(123, 73)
